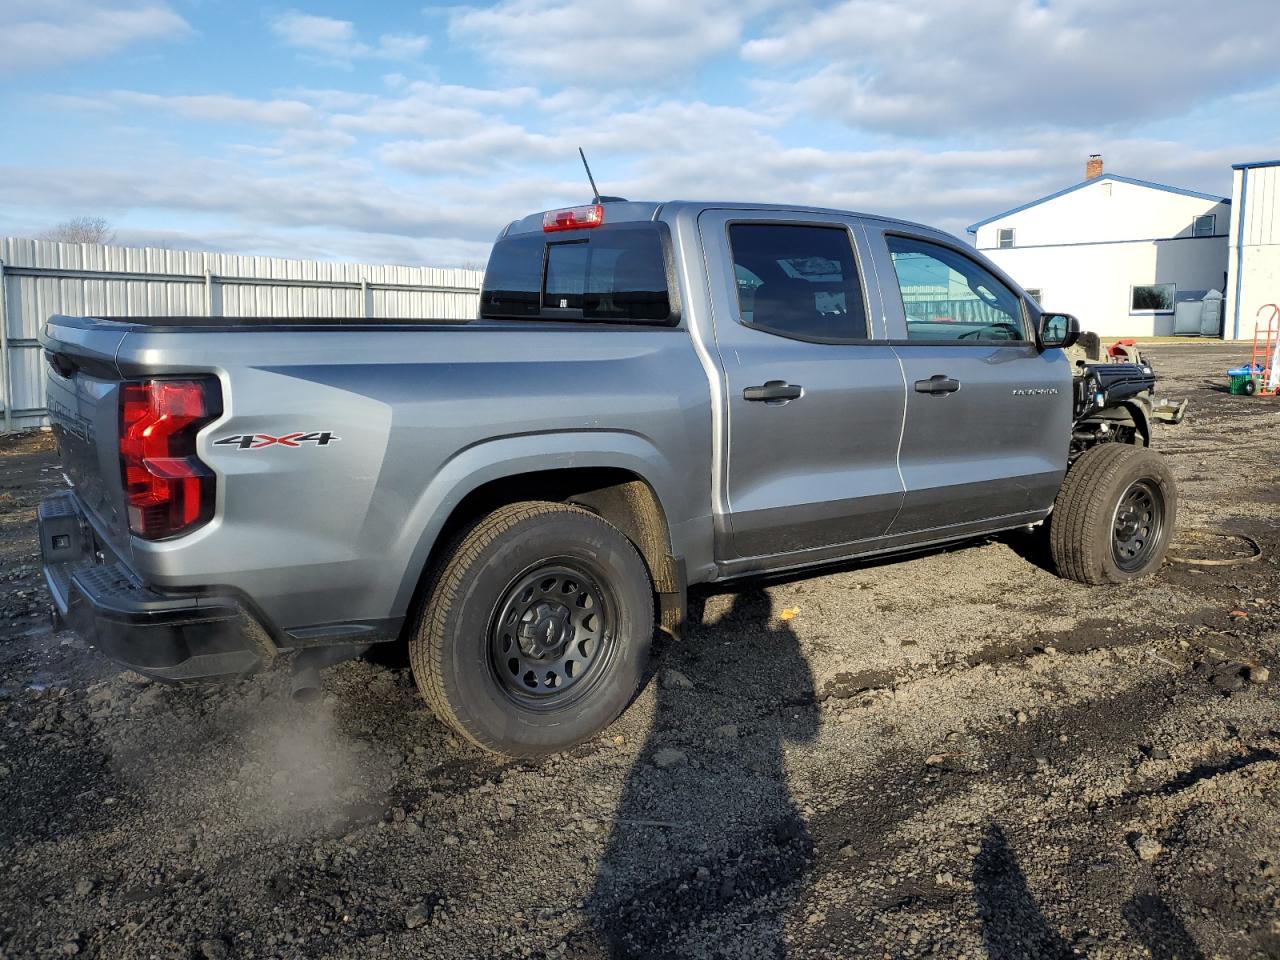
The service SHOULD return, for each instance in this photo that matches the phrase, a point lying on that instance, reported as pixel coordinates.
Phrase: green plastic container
(1238, 380)
(1240, 376)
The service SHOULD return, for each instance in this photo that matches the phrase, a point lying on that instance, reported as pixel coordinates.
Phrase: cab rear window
(613, 273)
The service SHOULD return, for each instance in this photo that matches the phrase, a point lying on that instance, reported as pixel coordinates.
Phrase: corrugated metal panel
(1262, 209)
(39, 278)
(1254, 272)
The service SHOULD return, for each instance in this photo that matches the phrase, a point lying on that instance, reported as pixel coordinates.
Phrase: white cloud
(621, 43)
(220, 108)
(467, 166)
(953, 120)
(335, 41)
(300, 197)
(476, 152)
(668, 129)
(431, 109)
(331, 99)
(41, 33)
(943, 67)
(313, 244)
(402, 46)
(243, 195)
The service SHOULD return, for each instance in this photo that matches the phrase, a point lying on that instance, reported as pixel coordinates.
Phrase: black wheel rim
(552, 634)
(1138, 525)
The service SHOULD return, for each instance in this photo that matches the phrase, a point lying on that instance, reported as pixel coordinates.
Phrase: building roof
(973, 227)
(1255, 163)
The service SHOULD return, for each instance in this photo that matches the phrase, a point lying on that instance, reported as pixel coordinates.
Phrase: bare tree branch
(81, 230)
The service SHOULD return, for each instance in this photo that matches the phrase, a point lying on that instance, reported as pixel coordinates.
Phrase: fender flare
(500, 458)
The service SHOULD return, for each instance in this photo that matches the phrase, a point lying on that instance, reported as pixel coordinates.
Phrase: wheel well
(1126, 422)
(616, 495)
(1141, 422)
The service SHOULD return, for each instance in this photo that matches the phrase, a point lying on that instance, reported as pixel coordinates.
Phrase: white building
(1116, 252)
(1255, 246)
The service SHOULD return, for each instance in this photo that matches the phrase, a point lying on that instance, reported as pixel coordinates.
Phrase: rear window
(614, 273)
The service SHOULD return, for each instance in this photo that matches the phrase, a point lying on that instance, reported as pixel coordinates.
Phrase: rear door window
(614, 273)
(798, 281)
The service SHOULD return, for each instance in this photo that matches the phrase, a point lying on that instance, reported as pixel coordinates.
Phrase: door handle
(774, 391)
(937, 385)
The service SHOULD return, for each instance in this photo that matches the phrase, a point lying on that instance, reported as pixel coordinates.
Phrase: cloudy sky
(410, 134)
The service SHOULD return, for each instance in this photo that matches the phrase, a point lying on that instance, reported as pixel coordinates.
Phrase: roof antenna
(594, 189)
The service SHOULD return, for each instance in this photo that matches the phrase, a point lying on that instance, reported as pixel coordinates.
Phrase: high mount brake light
(167, 489)
(573, 218)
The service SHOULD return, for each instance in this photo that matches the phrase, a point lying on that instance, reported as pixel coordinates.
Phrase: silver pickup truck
(653, 395)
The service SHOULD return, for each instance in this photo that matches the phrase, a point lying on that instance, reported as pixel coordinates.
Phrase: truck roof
(622, 211)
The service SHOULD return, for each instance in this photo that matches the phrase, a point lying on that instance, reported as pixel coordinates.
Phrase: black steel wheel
(1137, 525)
(536, 631)
(551, 632)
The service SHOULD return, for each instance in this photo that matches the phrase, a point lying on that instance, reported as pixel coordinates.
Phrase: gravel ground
(955, 755)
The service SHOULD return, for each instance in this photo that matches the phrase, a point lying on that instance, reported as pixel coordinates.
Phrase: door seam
(902, 432)
(902, 370)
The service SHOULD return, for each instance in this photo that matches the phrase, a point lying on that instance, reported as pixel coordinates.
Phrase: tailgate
(83, 387)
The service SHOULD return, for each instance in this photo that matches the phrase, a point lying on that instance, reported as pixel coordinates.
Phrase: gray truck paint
(427, 413)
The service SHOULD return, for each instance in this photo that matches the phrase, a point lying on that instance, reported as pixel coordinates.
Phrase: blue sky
(404, 133)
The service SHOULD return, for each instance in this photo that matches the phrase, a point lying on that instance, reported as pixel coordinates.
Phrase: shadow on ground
(1014, 928)
(762, 698)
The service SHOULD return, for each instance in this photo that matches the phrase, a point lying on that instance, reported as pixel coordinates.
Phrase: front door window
(948, 297)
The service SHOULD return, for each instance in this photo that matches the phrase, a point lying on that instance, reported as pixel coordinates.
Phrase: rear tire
(1114, 515)
(536, 632)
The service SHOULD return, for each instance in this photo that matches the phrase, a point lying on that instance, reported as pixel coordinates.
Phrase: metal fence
(969, 310)
(39, 278)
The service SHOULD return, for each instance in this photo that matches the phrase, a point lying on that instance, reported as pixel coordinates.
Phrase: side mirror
(1059, 330)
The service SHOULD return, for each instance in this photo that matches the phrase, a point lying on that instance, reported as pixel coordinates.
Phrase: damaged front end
(1115, 397)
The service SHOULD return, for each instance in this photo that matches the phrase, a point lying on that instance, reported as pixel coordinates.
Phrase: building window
(1204, 225)
(1152, 298)
(1004, 237)
(1036, 294)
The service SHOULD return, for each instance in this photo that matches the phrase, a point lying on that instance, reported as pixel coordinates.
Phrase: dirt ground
(955, 755)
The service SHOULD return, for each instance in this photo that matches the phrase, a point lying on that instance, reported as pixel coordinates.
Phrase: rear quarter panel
(321, 534)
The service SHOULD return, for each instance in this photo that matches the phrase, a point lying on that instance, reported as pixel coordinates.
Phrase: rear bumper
(170, 636)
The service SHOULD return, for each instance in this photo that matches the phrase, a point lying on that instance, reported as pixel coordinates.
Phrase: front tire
(536, 632)
(1114, 515)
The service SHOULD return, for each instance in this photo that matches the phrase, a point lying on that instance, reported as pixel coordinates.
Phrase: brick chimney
(1093, 166)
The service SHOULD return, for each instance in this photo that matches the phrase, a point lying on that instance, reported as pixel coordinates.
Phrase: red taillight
(167, 489)
(574, 218)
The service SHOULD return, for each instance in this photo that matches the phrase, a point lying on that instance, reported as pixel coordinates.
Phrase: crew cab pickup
(652, 396)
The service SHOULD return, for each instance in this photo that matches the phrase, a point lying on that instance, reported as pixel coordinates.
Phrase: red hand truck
(1266, 344)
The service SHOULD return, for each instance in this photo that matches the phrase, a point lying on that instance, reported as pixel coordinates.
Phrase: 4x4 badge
(256, 441)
